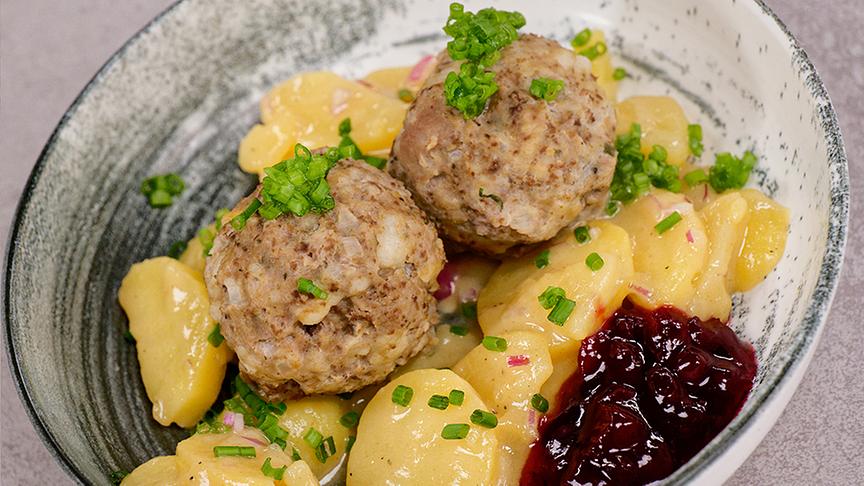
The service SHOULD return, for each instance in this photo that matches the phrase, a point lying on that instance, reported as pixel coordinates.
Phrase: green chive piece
(582, 234)
(206, 236)
(215, 337)
(539, 403)
(439, 402)
(116, 477)
(350, 444)
(239, 222)
(402, 395)
(273, 472)
(350, 419)
(484, 419)
(376, 162)
(304, 285)
(694, 136)
(619, 73)
(545, 88)
(561, 312)
(313, 437)
(469, 310)
(550, 297)
(331, 445)
(128, 337)
(295, 454)
(594, 51)
(667, 223)
(581, 38)
(405, 95)
(176, 249)
(233, 451)
(635, 174)
(161, 189)
(696, 177)
(542, 259)
(455, 431)
(456, 397)
(594, 262)
(493, 197)
(730, 172)
(345, 127)
(611, 208)
(459, 330)
(493, 343)
(321, 453)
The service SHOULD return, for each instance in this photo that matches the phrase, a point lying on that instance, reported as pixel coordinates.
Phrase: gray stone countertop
(49, 50)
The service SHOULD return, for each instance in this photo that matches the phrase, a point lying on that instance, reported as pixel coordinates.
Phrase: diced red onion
(446, 281)
(228, 419)
(517, 360)
(238, 423)
(419, 70)
(641, 290)
(690, 236)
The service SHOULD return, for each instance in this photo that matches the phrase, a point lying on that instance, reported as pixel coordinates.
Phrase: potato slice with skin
(725, 221)
(764, 241)
(169, 316)
(404, 445)
(323, 414)
(506, 381)
(509, 301)
(663, 123)
(667, 264)
(308, 108)
(159, 471)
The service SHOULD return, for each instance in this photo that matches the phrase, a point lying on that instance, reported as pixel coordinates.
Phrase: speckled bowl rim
(813, 321)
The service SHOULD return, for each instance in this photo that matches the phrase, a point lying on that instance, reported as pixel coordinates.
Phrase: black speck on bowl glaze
(181, 94)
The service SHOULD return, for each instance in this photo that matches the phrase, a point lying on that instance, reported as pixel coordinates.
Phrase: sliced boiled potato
(725, 221)
(321, 413)
(449, 349)
(601, 67)
(668, 264)
(169, 316)
(404, 445)
(159, 471)
(509, 301)
(663, 123)
(764, 240)
(388, 81)
(308, 108)
(506, 381)
(193, 256)
(699, 195)
(563, 367)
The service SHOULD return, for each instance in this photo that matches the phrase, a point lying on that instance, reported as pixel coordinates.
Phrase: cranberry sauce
(653, 387)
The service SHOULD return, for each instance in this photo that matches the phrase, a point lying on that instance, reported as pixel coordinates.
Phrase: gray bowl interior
(182, 94)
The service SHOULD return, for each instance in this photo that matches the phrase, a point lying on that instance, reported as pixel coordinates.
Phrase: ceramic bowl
(180, 95)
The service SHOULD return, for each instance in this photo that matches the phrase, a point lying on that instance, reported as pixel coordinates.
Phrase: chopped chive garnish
(345, 127)
(176, 249)
(439, 402)
(581, 38)
(350, 419)
(561, 312)
(405, 95)
(220, 215)
(459, 330)
(696, 177)
(619, 73)
(477, 39)
(455, 431)
(469, 310)
(594, 262)
(321, 453)
(233, 451)
(273, 472)
(583, 235)
(402, 395)
(611, 208)
(635, 174)
(304, 285)
(493, 197)
(239, 222)
(667, 223)
(694, 138)
(206, 237)
(550, 297)
(545, 88)
(331, 445)
(127, 335)
(295, 454)
(350, 444)
(594, 51)
(116, 477)
(542, 259)
(161, 189)
(484, 419)
(493, 343)
(456, 397)
(730, 172)
(376, 162)
(539, 403)
(313, 437)
(215, 338)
